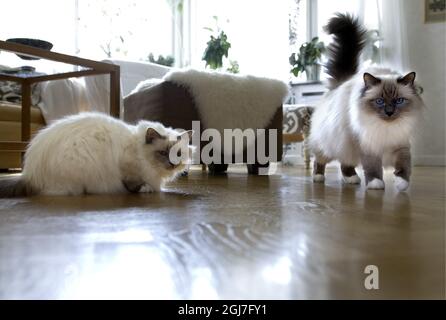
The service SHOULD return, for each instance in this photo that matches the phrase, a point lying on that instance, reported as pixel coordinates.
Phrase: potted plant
(308, 59)
(167, 61)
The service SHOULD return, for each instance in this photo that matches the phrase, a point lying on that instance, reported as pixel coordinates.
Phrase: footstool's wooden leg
(254, 168)
(217, 168)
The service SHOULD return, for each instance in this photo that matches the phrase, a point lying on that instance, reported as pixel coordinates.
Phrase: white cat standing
(92, 153)
(364, 119)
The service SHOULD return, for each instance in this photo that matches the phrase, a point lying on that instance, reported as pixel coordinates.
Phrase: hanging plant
(217, 48)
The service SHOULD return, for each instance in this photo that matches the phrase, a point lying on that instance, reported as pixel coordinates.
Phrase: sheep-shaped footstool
(218, 101)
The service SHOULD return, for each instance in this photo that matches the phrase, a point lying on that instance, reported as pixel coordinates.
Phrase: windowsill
(304, 83)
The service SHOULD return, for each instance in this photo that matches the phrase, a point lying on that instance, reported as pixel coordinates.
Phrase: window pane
(368, 13)
(37, 20)
(256, 29)
(327, 8)
(125, 29)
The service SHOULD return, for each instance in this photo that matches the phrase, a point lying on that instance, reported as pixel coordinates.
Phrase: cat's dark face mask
(389, 99)
(168, 153)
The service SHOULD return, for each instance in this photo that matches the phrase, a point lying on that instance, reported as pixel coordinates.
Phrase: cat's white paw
(375, 184)
(318, 178)
(401, 184)
(352, 180)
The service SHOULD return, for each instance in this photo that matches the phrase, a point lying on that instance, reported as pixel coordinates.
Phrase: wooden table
(89, 68)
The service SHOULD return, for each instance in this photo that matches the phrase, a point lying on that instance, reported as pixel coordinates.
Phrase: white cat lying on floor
(92, 153)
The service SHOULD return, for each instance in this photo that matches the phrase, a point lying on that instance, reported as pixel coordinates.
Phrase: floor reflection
(131, 271)
(228, 237)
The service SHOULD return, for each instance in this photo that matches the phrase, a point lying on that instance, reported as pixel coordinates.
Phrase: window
(95, 29)
(260, 31)
(125, 29)
(368, 12)
(44, 19)
(256, 29)
(48, 20)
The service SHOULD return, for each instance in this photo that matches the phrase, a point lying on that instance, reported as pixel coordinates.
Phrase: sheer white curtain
(394, 46)
(384, 16)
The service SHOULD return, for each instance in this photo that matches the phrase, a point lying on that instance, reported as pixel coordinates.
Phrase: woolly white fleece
(227, 101)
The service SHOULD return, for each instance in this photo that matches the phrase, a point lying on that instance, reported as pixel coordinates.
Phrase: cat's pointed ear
(408, 79)
(152, 135)
(370, 80)
(187, 134)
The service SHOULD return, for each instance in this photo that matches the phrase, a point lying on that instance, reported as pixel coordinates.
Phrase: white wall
(427, 56)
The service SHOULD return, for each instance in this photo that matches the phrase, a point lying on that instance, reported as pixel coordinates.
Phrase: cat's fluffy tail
(13, 187)
(344, 51)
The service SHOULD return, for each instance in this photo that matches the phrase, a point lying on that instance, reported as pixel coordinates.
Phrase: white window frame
(312, 19)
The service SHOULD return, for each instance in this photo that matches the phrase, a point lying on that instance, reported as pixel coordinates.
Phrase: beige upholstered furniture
(11, 128)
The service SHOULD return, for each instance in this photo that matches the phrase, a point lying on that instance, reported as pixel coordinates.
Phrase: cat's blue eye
(400, 100)
(379, 101)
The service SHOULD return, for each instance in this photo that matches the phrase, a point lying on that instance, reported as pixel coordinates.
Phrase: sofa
(10, 130)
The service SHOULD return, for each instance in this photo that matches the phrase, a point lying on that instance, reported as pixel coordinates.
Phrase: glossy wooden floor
(233, 236)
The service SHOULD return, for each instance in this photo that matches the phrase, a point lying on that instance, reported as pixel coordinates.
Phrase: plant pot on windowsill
(308, 59)
(313, 72)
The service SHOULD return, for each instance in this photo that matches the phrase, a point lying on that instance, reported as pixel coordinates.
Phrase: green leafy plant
(217, 48)
(309, 54)
(233, 67)
(165, 61)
